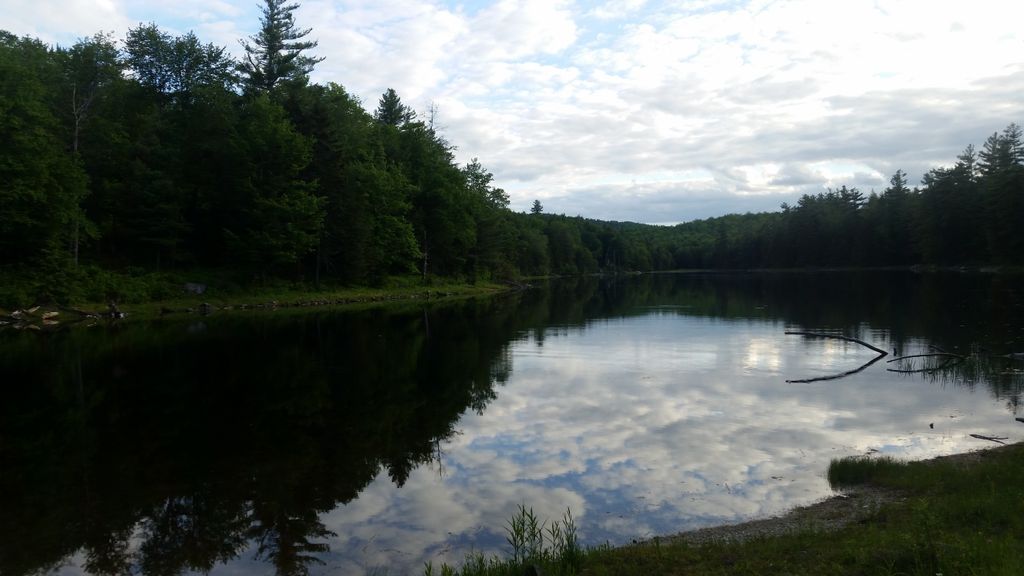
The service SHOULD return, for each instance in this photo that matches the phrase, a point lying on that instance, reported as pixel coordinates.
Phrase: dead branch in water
(998, 439)
(931, 355)
(881, 354)
(838, 337)
(837, 376)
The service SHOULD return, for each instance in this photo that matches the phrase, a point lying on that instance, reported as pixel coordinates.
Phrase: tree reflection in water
(176, 447)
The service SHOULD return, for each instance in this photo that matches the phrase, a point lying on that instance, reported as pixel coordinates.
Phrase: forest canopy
(158, 152)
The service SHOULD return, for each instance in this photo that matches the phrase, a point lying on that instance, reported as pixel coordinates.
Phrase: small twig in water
(998, 439)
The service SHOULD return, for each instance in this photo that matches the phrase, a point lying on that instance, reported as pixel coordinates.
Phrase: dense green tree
(281, 215)
(531, 249)
(367, 233)
(274, 55)
(891, 223)
(951, 215)
(90, 66)
(91, 69)
(41, 185)
(494, 232)
(1001, 168)
(442, 210)
(176, 65)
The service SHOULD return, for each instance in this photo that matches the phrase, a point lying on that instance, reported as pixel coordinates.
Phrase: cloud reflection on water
(651, 424)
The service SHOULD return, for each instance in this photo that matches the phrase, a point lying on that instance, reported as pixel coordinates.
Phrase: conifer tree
(275, 55)
(390, 110)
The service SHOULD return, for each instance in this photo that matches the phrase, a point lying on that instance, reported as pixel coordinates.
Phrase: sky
(656, 112)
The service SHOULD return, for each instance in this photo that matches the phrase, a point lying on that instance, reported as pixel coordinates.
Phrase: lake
(343, 442)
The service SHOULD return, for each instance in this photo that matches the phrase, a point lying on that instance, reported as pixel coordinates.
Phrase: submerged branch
(838, 337)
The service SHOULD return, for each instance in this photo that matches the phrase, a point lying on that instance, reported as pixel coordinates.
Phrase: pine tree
(275, 55)
(390, 110)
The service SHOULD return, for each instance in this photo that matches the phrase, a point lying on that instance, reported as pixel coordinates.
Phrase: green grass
(955, 518)
(536, 547)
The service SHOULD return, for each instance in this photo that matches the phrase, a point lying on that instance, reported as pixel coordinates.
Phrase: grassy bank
(147, 295)
(303, 297)
(955, 515)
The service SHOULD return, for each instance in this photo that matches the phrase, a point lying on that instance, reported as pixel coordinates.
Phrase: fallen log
(998, 439)
(838, 337)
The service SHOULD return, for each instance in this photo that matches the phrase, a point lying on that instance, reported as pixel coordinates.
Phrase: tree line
(161, 152)
(967, 214)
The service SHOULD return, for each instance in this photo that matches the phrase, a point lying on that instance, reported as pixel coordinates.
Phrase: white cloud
(62, 21)
(616, 9)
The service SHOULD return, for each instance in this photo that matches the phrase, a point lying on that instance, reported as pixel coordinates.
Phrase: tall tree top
(1002, 151)
(275, 54)
(176, 65)
(391, 111)
(898, 184)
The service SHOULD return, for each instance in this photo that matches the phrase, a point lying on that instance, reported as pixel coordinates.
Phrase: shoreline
(847, 506)
(91, 313)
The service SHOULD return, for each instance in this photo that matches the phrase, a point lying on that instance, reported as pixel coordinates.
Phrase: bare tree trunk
(425, 258)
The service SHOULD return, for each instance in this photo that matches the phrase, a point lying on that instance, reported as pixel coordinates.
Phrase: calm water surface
(342, 442)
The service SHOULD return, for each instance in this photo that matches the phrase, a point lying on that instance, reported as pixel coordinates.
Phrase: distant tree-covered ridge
(159, 152)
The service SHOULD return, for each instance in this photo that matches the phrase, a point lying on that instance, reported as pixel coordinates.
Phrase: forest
(155, 155)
